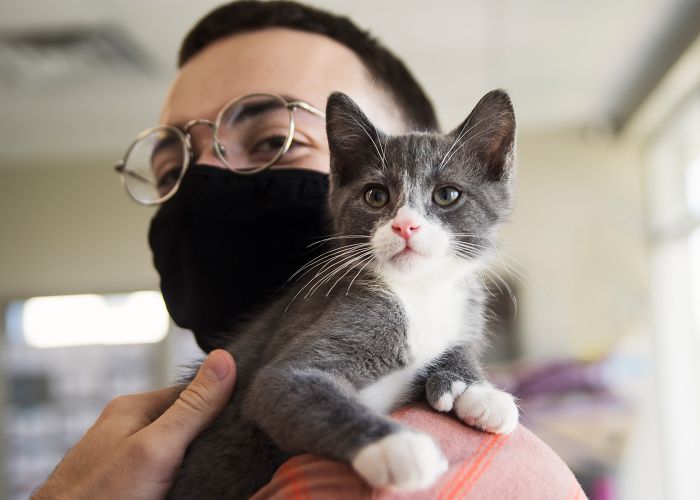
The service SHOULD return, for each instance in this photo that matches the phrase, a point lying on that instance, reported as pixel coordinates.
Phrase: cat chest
(434, 324)
(434, 321)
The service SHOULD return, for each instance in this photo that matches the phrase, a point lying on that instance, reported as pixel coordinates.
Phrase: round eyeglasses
(251, 133)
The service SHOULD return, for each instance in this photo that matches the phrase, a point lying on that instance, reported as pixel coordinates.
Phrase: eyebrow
(164, 144)
(256, 108)
(250, 110)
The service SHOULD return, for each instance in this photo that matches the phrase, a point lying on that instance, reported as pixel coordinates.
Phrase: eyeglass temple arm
(308, 107)
(119, 167)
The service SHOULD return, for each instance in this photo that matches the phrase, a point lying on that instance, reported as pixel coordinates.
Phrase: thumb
(198, 404)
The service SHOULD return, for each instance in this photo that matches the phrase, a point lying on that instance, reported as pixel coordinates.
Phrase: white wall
(578, 226)
(71, 229)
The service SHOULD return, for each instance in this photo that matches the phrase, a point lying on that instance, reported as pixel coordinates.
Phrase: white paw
(403, 461)
(446, 401)
(487, 408)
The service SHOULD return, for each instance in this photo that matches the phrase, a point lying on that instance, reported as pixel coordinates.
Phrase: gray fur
(303, 361)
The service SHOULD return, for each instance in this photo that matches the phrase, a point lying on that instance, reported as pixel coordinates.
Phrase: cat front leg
(310, 410)
(451, 374)
(457, 383)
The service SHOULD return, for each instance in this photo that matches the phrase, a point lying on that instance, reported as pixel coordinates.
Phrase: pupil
(446, 195)
(277, 141)
(376, 197)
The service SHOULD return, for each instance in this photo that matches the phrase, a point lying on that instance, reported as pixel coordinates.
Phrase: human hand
(136, 446)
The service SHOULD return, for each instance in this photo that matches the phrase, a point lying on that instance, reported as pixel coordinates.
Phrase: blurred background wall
(598, 88)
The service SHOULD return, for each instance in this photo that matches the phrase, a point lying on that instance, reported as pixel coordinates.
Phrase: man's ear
(489, 132)
(354, 142)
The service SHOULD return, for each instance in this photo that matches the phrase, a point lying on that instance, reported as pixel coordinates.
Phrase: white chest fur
(436, 319)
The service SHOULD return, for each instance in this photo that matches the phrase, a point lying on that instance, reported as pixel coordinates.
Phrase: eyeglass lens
(252, 134)
(155, 164)
(253, 131)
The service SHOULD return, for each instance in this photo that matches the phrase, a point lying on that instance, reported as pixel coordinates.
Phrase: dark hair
(250, 15)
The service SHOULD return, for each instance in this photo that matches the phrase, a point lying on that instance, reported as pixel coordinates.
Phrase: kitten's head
(426, 202)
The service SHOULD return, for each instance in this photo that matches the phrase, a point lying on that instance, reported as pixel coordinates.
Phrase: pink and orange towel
(482, 466)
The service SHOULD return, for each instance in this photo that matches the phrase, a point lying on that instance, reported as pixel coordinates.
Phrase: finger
(197, 405)
(154, 403)
(135, 411)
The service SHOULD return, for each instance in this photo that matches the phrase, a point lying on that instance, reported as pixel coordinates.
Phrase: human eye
(270, 144)
(267, 148)
(167, 170)
(168, 177)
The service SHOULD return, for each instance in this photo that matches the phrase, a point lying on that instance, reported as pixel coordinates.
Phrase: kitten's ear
(352, 138)
(489, 131)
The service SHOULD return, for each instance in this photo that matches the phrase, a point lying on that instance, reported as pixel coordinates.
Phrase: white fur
(487, 408)
(403, 461)
(435, 314)
(389, 390)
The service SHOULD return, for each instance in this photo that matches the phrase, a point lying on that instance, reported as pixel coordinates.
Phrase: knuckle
(116, 406)
(196, 397)
(144, 451)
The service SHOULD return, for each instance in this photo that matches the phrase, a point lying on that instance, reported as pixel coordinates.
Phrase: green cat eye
(446, 195)
(377, 196)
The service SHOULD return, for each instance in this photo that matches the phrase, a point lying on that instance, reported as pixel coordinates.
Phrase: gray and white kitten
(394, 312)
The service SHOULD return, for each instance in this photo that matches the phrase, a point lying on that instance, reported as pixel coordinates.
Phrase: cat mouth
(407, 253)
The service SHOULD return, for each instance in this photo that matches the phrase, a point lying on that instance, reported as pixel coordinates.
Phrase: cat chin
(404, 273)
(408, 263)
(424, 269)
(415, 266)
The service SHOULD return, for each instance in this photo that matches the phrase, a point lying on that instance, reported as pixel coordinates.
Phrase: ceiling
(577, 64)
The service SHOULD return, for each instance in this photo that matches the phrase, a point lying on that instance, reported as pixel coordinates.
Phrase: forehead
(414, 162)
(410, 158)
(292, 63)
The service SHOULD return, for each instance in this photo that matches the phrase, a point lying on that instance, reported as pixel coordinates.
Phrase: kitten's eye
(446, 195)
(377, 197)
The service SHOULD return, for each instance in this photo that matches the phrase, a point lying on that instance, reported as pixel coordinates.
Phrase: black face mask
(225, 243)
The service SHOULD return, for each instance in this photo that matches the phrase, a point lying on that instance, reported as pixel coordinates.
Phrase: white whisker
(332, 272)
(346, 273)
(326, 256)
(338, 237)
(371, 258)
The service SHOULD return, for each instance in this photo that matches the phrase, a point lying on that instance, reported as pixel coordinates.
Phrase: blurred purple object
(603, 488)
(561, 376)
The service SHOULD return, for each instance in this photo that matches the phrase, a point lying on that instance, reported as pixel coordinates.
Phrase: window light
(72, 320)
(692, 186)
(694, 251)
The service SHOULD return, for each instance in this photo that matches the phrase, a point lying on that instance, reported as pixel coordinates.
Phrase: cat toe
(404, 461)
(487, 408)
(445, 402)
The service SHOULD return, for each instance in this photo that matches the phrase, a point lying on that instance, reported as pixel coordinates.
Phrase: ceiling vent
(68, 56)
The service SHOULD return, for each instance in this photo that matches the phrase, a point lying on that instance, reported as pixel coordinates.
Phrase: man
(225, 239)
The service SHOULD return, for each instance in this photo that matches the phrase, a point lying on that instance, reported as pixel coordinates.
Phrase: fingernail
(217, 363)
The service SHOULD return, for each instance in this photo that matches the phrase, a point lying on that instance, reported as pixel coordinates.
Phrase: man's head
(291, 50)
(224, 243)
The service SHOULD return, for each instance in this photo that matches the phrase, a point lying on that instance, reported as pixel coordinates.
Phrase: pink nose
(405, 228)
